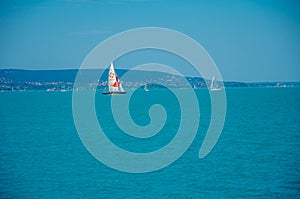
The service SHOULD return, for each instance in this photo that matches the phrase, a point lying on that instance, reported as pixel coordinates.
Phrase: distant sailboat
(212, 87)
(114, 84)
(145, 88)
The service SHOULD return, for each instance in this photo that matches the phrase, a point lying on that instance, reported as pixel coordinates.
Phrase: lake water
(257, 155)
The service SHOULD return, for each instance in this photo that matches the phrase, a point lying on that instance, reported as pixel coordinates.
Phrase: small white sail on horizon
(212, 87)
(146, 88)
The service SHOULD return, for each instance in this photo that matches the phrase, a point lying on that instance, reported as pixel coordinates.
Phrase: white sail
(212, 82)
(121, 87)
(146, 88)
(212, 87)
(113, 83)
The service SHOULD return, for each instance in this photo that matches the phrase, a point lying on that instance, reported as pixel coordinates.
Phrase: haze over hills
(70, 74)
(16, 79)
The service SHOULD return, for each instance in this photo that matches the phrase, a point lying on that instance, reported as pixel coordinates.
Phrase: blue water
(257, 156)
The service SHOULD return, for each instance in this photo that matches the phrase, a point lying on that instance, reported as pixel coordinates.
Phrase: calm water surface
(258, 154)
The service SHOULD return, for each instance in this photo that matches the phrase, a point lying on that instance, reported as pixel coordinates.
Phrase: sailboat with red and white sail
(114, 84)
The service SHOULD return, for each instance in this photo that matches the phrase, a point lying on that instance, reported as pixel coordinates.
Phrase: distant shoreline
(63, 80)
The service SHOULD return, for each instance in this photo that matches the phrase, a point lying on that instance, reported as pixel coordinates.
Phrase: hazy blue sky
(248, 40)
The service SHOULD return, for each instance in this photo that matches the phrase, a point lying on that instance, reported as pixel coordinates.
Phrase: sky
(248, 40)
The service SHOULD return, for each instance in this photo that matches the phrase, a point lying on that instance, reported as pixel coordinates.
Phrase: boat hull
(215, 89)
(113, 93)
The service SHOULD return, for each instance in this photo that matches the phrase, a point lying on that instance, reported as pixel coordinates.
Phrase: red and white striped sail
(114, 84)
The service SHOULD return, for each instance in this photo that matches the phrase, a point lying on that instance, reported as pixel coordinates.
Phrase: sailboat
(114, 84)
(212, 88)
(146, 88)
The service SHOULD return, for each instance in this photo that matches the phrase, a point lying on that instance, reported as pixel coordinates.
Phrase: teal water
(257, 156)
